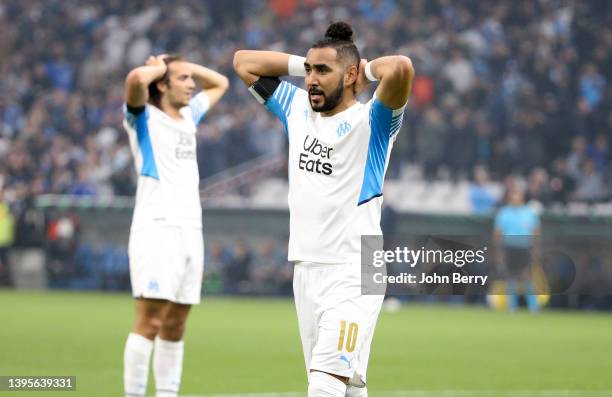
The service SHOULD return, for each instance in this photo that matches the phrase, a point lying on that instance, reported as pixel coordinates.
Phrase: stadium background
(507, 93)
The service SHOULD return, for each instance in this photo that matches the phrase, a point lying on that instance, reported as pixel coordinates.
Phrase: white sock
(167, 367)
(321, 384)
(136, 357)
(352, 391)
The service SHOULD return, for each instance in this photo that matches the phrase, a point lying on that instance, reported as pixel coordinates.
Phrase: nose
(312, 80)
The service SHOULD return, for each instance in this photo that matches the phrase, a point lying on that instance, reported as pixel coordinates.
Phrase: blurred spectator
(537, 187)
(7, 233)
(217, 259)
(62, 237)
(592, 85)
(460, 151)
(481, 197)
(238, 270)
(590, 186)
(431, 141)
(264, 270)
(599, 152)
(504, 85)
(561, 183)
(576, 157)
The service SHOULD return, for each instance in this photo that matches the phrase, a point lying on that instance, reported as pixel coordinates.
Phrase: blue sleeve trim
(381, 122)
(369, 199)
(149, 166)
(279, 104)
(199, 108)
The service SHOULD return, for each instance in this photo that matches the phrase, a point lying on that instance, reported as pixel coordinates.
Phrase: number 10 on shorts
(351, 338)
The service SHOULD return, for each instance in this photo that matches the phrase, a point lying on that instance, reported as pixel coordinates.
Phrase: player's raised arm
(214, 84)
(395, 73)
(138, 80)
(251, 64)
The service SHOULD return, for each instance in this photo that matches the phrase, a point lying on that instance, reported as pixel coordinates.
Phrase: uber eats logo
(315, 156)
(185, 147)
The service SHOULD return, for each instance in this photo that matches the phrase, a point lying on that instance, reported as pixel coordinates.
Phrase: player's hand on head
(156, 60)
(362, 81)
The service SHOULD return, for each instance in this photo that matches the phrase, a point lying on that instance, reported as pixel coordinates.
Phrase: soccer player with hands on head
(339, 150)
(166, 247)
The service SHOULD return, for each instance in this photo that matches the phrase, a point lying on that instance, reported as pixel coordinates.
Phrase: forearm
(145, 75)
(137, 82)
(208, 78)
(250, 64)
(392, 66)
(395, 74)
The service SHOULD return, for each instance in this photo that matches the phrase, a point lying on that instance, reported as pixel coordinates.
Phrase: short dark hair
(154, 93)
(339, 35)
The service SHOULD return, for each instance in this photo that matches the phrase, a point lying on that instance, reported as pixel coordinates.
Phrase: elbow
(239, 60)
(135, 78)
(224, 83)
(404, 67)
(242, 65)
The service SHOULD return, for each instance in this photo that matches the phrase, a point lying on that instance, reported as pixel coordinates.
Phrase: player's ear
(350, 77)
(162, 86)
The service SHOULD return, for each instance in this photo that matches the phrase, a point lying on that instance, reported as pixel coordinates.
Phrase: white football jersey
(337, 167)
(164, 152)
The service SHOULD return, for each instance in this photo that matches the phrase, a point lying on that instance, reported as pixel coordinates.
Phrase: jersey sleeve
(135, 123)
(535, 220)
(500, 220)
(199, 106)
(134, 116)
(385, 121)
(384, 125)
(282, 101)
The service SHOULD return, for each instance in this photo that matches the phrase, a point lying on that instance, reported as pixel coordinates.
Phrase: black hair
(339, 35)
(154, 93)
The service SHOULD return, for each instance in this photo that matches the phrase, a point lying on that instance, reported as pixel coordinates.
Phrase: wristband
(296, 66)
(368, 72)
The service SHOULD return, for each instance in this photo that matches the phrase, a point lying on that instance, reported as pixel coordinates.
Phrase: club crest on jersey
(314, 155)
(343, 129)
(153, 286)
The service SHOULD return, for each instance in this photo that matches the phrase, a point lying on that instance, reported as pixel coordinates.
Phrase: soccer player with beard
(166, 248)
(338, 153)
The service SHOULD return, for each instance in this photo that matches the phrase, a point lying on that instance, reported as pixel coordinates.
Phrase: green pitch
(240, 346)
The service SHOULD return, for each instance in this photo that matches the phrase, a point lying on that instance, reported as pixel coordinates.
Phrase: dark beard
(332, 101)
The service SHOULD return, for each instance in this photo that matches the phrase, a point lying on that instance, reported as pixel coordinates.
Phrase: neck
(170, 110)
(346, 103)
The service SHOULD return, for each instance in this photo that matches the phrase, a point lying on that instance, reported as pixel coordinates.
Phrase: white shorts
(336, 322)
(166, 263)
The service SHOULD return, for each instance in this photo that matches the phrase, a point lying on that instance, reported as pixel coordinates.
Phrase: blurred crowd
(511, 88)
(231, 267)
(260, 268)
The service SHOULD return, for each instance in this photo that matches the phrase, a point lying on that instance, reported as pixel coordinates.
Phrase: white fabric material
(167, 263)
(296, 66)
(325, 385)
(368, 72)
(326, 297)
(353, 391)
(136, 357)
(164, 151)
(330, 164)
(167, 367)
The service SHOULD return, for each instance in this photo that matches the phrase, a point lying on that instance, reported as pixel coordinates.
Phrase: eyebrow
(317, 65)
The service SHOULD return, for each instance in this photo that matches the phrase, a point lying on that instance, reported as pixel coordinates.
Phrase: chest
(172, 134)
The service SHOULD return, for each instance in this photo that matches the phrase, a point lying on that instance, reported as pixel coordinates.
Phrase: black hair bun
(341, 31)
